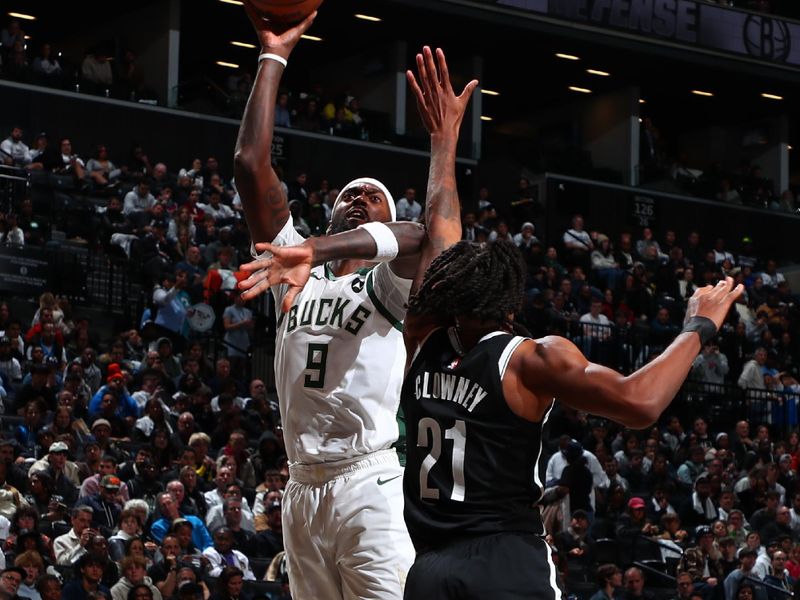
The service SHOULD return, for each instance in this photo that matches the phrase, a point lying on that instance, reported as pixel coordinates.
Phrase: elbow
(244, 164)
(641, 414)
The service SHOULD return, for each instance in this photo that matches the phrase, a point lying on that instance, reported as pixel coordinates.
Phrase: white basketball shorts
(343, 529)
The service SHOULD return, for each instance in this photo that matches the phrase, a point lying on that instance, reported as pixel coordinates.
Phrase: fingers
(262, 247)
(256, 265)
(468, 89)
(423, 77)
(303, 25)
(250, 282)
(255, 291)
(444, 72)
(433, 75)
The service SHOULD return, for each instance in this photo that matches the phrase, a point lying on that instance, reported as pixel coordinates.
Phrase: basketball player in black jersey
(476, 397)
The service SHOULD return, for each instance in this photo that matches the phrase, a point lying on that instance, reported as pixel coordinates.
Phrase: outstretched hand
(714, 302)
(275, 37)
(439, 107)
(290, 265)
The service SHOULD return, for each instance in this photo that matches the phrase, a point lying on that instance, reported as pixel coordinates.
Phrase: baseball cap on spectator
(636, 502)
(51, 362)
(99, 422)
(5, 340)
(529, 225)
(90, 440)
(110, 482)
(114, 372)
(702, 478)
(573, 449)
(786, 458)
(58, 447)
(720, 435)
(702, 530)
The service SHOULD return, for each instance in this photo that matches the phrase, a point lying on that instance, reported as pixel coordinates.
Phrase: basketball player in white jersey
(339, 354)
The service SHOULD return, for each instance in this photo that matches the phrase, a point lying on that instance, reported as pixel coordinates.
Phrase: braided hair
(485, 281)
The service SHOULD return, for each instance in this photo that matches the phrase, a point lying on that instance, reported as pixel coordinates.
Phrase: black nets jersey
(472, 464)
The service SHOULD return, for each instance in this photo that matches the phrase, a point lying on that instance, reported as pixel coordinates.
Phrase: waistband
(324, 472)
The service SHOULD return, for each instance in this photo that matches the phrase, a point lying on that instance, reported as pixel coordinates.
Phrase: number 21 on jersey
(458, 434)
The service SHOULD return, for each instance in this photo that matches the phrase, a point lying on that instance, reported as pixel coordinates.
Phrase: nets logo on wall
(693, 23)
(767, 38)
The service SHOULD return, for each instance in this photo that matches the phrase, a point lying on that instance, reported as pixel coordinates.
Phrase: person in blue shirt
(115, 383)
(201, 539)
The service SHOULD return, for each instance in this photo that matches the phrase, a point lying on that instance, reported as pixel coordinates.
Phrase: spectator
(134, 571)
(408, 209)
(170, 512)
(96, 70)
(282, 115)
(747, 560)
(633, 582)
(710, 366)
(72, 545)
(703, 561)
(223, 554)
(609, 582)
(779, 577)
(13, 150)
(47, 67)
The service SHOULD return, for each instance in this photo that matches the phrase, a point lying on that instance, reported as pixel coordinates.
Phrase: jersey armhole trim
(394, 321)
(505, 357)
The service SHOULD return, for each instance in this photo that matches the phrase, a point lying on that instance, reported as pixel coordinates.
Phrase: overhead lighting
(243, 45)
(642, 101)
(236, 2)
(788, 147)
(222, 63)
(489, 92)
(567, 56)
(27, 37)
(771, 96)
(581, 90)
(368, 18)
(23, 16)
(485, 118)
(640, 119)
(311, 38)
(702, 93)
(598, 73)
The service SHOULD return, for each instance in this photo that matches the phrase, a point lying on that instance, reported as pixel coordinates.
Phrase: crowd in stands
(136, 467)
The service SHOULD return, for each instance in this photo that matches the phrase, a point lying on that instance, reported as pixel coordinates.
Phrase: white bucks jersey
(339, 361)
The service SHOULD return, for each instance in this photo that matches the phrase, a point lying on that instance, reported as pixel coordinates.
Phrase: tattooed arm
(441, 112)
(265, 206)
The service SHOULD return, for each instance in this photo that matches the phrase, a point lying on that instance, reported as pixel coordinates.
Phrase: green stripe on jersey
(396, 323)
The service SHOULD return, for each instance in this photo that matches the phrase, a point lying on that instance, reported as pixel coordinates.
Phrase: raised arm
(441, 112)
(554, 367)
(291, 265)
(265, 206)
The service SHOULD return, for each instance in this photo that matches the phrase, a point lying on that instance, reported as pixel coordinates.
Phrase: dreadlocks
(480, 280)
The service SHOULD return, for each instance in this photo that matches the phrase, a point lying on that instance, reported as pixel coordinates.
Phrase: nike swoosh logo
(383, 481)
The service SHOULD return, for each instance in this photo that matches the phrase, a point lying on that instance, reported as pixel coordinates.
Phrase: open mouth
(356, 213)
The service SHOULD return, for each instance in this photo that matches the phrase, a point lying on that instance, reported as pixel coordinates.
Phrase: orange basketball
(285, 11)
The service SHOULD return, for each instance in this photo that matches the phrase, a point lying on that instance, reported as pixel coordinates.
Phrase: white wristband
(384, 239)
(275, 57)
